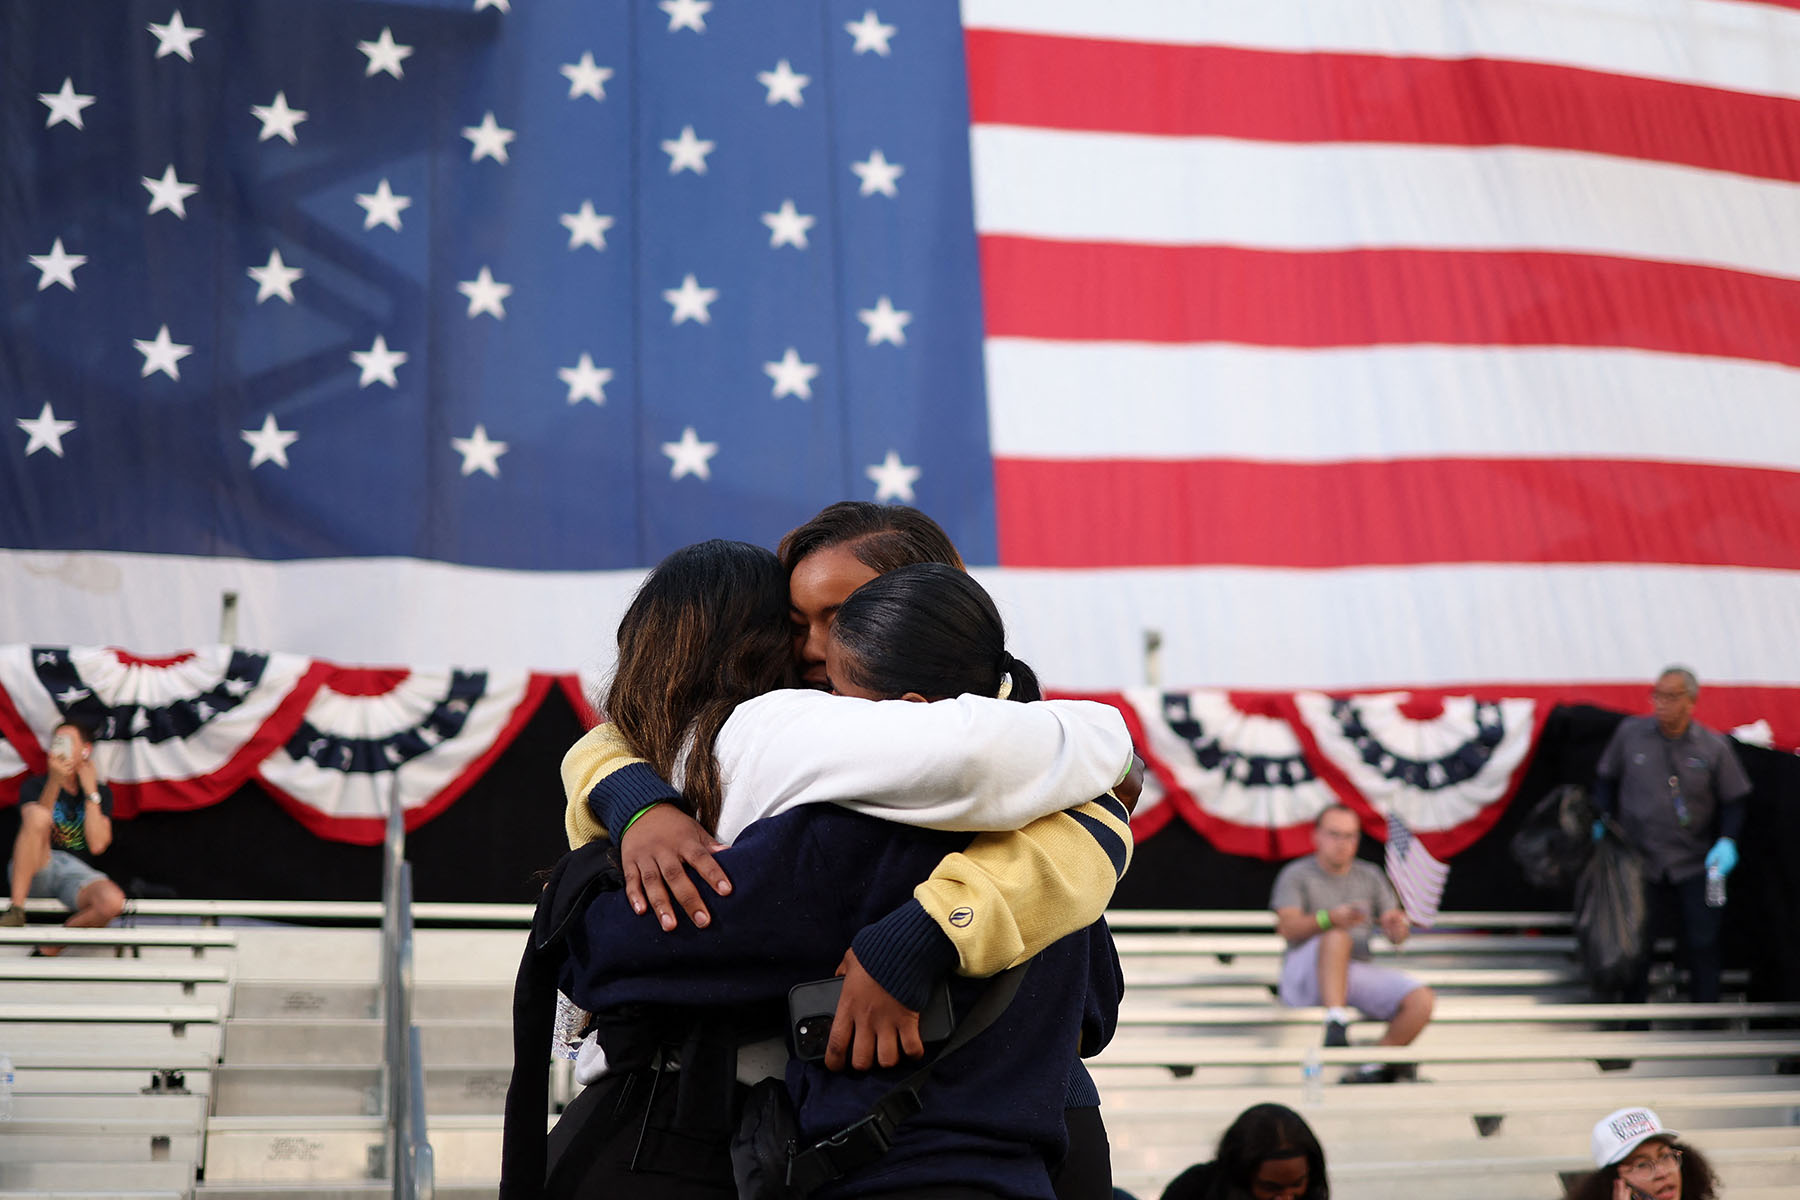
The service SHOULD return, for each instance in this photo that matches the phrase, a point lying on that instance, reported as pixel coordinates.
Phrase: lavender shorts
(1375, 991)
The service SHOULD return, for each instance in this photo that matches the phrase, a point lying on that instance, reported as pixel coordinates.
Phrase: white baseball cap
(1617, 1134)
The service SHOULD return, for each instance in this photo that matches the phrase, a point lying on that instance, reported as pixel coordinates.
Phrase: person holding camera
(65, 819)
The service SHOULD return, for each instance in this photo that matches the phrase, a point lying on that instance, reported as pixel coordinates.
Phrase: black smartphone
(811, 1007)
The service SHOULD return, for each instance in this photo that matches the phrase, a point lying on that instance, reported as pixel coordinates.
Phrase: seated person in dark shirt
(1269, 1153)
(65, 819)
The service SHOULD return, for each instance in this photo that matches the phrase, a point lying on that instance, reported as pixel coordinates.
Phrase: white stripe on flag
(1087, 400)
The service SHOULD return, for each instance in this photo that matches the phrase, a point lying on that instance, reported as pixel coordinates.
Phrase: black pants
(1085, 1173)
(1680, 909)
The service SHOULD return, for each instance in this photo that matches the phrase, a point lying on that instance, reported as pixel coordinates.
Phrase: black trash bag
(1556, 839)
(1612, 915)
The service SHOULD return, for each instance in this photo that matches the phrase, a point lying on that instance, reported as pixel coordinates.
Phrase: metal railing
(409, 1158)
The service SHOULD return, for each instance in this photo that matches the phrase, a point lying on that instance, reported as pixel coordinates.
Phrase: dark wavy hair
(931, 629)
(883, 537)
(707, 630)
(1698, 1182)
(1260, 1133)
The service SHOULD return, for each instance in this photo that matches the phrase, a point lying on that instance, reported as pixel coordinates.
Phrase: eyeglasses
(1662, 697)
(1644, 1166)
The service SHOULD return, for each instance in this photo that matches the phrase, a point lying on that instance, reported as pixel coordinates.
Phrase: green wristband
(634, 819)
(1323, 916)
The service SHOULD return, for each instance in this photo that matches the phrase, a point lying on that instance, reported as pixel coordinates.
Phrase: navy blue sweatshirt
(803, 884)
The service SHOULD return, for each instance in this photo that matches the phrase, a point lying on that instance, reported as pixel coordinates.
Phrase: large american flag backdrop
(1394, 343)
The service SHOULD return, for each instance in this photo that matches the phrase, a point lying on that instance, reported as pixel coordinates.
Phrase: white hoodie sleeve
(971, 763)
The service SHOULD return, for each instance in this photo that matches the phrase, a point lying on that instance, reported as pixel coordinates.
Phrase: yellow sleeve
(601, 751)
(1009, 895)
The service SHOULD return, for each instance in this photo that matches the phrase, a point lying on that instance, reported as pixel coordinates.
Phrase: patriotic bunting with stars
(430, 733)
(1252, 770)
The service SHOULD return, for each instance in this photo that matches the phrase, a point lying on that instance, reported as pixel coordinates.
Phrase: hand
(654, 856)
(1622, 1190)
(88, 778)
(870, 1026)
(1132, 786)
(62, 769)
(1723, 857)
(1395, 925)
(1348, 916)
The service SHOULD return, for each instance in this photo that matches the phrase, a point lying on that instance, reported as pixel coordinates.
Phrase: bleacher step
(261, 1149)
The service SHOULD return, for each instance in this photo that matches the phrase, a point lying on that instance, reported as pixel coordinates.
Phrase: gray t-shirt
(1707, 776)
(1305, 885)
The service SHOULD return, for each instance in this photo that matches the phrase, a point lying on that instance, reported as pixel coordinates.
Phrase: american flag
(1430, 343)
(1418, 878)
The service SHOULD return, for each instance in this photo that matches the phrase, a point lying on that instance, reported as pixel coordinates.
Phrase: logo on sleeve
(962, 917)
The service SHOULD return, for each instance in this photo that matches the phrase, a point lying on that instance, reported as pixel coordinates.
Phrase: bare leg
(31, 850)
(100, 903)
(1410, 1021)
(1334, 968)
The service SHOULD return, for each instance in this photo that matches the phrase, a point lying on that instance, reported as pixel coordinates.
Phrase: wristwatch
(93, 797)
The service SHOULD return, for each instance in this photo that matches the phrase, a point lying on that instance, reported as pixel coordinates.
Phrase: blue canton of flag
(547, 284)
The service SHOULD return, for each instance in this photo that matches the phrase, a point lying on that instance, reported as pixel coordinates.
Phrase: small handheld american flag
(1417, 877)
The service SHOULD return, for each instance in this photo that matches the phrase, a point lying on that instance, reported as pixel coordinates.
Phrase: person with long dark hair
(1268, 1153)
(1639, 1159)
(968, 1137)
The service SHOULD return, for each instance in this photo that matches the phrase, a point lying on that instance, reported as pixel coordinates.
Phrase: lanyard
(1682, 817)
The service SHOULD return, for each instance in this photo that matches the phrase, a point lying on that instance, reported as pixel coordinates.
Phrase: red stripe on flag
(1098, 291)
(1220, 91)
(1407, 511)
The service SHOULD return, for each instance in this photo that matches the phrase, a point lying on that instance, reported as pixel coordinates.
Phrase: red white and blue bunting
(330, 743)
(1251, 771)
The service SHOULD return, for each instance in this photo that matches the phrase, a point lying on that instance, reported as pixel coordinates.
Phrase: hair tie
(1005, 686)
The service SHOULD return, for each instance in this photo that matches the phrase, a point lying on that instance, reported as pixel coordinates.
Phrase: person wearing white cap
(1640, 1159)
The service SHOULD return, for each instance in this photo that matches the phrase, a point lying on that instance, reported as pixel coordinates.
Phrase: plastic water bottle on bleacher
(1715, 888)
(1312, 1077)
(6, 1087)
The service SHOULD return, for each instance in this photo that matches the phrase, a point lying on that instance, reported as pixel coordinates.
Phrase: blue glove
(1722, 857)
(1599, 830)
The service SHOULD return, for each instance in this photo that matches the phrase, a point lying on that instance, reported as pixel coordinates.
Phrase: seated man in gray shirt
(1324, 904)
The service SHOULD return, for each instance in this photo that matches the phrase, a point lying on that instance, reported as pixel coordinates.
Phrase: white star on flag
(488, 139)
(382, 207)
(479, 452)
(686, 14)
(792, 377)
(169, 193)
(787, 226)
(586, 381)
(65, 105)
(886, 323)
(275, 278)
(176, 37)
(504, 6)
(690, 302)
(56, 266)
(586, 227)
(237, 687)
(268, 444)
(783, 84)
(71, 695)
(690, 455)
(378, 363)
(586, 78)
(893, 479)
(878, 174)
(384, 54)
(44, 433)
(278, 120)
(687, 152)
(161, 354)
(485, 295)
(870, 34)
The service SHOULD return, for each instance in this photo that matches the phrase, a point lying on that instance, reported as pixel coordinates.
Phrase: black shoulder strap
(862, 1143)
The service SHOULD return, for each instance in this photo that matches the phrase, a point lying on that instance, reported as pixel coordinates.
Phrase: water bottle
(1312, 1077)
(6, 1087)
(1715, 888)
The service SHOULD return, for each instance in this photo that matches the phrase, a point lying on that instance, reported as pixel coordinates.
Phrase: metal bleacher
(235, 1052)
